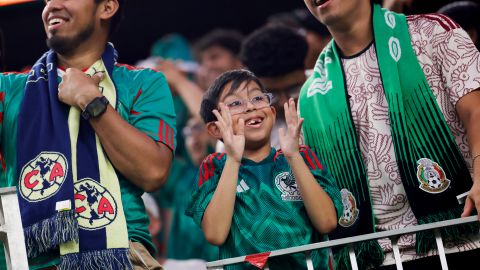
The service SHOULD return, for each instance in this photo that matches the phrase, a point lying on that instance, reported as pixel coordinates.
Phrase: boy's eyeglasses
(259, 102)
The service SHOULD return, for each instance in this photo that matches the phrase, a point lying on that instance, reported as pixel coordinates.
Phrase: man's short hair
(307, 21)
(273, 51)
(229, 40)
(212, 95)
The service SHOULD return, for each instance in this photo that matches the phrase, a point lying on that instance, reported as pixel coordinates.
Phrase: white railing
(349, 241)
(11, 230)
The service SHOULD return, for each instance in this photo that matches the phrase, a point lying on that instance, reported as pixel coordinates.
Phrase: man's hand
(234, 140)
(289, 139)
(473, 199)
(78, 89)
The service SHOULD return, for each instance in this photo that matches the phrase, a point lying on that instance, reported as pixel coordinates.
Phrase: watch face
(97, 106)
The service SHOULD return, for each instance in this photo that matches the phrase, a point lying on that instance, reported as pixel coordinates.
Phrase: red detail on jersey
(278, 153)
(16, 72)
(81, 198)
(138, 95)
(29, 175)
(445, 22)
(160, 131)
(310, 163)
(219, 157)
(4, 166)
(258, 260)
(2, 96)
(167, 135)
(319, 165)
(1, 117)
(207, 169)
(105, 206)
(132, 112)
(57, 171)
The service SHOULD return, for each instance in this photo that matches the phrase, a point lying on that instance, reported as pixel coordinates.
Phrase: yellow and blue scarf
(69, 191)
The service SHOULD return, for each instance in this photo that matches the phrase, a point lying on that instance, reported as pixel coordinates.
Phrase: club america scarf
(69, 192)
(432, 168)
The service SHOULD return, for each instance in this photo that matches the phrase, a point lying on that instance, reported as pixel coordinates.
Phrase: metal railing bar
(441, 250)
(308, 260)
(396, 252)
(354, 239)
(353, 258)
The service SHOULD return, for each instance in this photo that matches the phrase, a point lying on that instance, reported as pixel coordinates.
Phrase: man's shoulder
(133, 72)
(432, 21)
(13, 81)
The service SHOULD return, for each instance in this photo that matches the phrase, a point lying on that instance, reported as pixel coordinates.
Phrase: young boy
(252, 198)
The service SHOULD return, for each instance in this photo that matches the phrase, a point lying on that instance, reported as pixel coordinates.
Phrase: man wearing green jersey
(82, 137)
(252, 198)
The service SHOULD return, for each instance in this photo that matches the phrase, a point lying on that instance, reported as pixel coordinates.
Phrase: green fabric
(422, 140)
(175, 195)
(262, 220)
(145, 111)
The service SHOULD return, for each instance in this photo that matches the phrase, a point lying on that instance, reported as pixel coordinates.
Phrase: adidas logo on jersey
(242, 187)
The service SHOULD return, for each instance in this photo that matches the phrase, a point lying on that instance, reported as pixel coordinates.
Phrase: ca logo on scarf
(43, 176)
(350, 211)
(94, 205)
(431, 176)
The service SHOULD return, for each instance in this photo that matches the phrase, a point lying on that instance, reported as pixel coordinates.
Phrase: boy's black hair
(229, 40)
(274, 50)
(211, 97)
(117, 18)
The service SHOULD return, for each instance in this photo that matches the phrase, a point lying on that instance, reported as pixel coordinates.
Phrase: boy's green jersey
(269, 213)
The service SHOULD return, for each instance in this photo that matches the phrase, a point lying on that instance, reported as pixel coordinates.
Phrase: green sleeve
(152, 111)
(323, 177)
(206, 182)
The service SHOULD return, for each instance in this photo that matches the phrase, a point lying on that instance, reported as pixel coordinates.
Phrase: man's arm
(468, 109)
(135, 155)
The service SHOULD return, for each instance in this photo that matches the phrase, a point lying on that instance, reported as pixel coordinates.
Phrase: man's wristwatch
(95, 108)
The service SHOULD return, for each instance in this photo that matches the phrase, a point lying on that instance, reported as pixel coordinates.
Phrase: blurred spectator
(276, 54)
(217, 52)
(316, 33)
(154, 216)
(400, 6)
(466, 14)
(184, 239)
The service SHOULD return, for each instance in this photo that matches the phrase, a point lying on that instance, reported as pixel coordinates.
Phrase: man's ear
(108, 8)
(214, 131)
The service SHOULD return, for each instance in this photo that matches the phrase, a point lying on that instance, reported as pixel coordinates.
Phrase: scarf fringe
(94, 260)
(426, 239)
(51, 232)
(368, 253)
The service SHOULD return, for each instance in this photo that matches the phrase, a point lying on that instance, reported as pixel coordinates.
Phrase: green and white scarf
(431, 166)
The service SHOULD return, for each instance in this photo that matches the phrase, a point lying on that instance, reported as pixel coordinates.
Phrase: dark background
(22, 38)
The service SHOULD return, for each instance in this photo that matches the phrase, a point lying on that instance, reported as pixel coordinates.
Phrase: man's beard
(67, 45)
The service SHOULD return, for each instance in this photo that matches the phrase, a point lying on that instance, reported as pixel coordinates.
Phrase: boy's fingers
(219, 117)
(299, 125)
(241, 127)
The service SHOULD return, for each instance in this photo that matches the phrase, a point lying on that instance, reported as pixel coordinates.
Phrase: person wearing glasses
(253, 198)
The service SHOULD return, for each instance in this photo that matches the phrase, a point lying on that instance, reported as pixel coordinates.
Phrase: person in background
(465, 13)
(392, 108)
(173, 199)
(276, 54)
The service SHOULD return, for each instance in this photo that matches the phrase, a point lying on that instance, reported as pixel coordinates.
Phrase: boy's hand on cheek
(234, 141)
(289, 139)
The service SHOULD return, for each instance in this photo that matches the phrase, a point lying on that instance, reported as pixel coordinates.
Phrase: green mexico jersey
(269, 213)
(143, 100)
